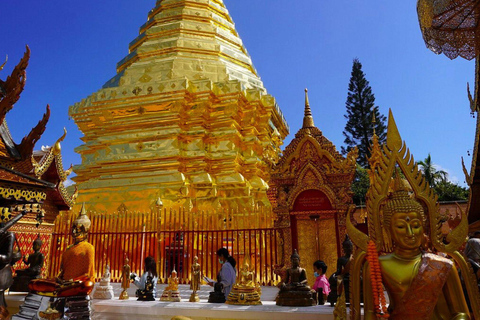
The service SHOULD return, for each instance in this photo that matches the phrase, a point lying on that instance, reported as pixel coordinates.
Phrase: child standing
(321, 281)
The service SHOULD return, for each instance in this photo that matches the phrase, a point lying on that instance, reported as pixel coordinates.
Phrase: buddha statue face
(79, 233)
(403, 217)
(80, 226)
(407, 230)
(295, 259)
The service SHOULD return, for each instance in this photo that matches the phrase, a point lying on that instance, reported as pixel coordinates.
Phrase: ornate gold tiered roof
(186, 116)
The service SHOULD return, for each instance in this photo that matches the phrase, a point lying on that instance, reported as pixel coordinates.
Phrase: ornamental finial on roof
(3, 64)
(307, 119)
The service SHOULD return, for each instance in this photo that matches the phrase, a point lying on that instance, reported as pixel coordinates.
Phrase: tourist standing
(321, 282)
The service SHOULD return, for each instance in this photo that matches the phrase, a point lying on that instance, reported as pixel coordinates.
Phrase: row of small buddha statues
(77, 274)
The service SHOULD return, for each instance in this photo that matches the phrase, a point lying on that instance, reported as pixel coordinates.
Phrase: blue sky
(294, 44)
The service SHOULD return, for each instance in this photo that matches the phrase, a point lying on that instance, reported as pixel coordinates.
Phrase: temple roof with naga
(26, 175)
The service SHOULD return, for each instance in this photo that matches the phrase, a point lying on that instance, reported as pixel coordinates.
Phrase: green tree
(360, 185)
(431, 174)
(448, 191)
(361, 110)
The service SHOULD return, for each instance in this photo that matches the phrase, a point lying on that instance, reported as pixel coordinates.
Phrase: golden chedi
(186, 116)
(245, 291)
(398, 252)
(77, 270)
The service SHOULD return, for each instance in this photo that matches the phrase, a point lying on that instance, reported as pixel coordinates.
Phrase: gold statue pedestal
(175, 296)
(194, 297)
(165, 295)
(244, 296)
(123, 295)
(296, 298)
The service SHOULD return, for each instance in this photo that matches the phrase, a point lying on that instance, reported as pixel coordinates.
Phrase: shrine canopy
(450, 26)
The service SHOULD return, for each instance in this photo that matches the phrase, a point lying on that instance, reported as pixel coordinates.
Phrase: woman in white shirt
(227, 274)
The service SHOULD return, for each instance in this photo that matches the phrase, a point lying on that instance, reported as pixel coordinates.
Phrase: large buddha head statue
(80, 226)
(403, 217)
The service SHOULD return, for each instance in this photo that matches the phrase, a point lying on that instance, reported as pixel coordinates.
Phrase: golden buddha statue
(126, 271)
(196, 279)
(245, 291)
(77, 269)
(419, 283)
(171, 292)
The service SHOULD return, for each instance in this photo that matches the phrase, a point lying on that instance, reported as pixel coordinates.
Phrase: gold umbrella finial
(307, 119)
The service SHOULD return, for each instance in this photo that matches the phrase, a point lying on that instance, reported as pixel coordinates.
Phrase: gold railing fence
(173, 237)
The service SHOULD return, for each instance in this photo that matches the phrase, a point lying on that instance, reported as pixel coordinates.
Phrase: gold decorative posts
(398, 222)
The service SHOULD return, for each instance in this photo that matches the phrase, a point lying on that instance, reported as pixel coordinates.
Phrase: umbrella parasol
(450, 26)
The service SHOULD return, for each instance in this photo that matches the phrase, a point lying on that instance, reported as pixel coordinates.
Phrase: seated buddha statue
(420, 285)
(171, 293)
(34, 263)
(77, 269)
(294, 291)
(245, 291)
(147, 294)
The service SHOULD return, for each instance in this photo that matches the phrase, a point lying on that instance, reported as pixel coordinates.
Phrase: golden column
(186, 117)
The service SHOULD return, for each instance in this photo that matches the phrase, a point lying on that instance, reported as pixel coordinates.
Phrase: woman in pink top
(320, 280)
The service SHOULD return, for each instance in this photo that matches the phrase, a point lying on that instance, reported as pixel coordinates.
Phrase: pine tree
(361, 110)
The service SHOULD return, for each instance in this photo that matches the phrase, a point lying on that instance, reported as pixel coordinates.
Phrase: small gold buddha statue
(195, 281)
(77, 269)
(245, 291)
(171, 292)
(126, 271)
(294, 291)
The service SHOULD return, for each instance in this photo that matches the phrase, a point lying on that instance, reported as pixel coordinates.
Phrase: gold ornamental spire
(307, 118)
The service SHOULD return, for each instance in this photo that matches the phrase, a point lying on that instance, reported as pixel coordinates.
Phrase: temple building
(311, 191)
(31, 181)
(186, 119)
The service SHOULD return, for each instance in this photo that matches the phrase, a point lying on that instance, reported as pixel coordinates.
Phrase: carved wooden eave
(473, 179)
(25, 148)
(20, 187)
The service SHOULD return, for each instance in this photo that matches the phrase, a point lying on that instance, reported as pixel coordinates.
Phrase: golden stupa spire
(307, 118)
